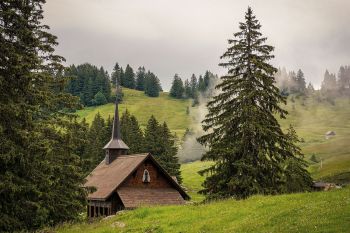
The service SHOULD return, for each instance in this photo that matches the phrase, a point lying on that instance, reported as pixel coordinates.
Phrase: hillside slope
(305, 212)
(310, 119)
(164, 108)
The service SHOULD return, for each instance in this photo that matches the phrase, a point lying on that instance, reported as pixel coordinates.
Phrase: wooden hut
(124, 181)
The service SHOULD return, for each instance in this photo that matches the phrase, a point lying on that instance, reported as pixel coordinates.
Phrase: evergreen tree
(131, 133)
(329, 82)
(251, 152)
(301, 84)
(177, 88)
(343, 82)
(129, 78)
(86, 81)
(169, 160)
(194, 85)
(116, 75)
(140, 79)
(40, 176)
(99, 99)
(201, 84)
(98, 136)
(122, 79)
(161, 144)
(188, 90)
(152, 85)
(310, 90)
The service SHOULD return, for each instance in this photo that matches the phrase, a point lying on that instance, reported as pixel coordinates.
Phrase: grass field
(305, 212)
(310, 119)
(164, 108)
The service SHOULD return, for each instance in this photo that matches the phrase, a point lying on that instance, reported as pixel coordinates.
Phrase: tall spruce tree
(116, 75)
(129, 78)
(132, 133)
(152, 85)
(301, 82)
(161, 144)
(251, 152)
(40, 176)
(140, 79)
(177, 88)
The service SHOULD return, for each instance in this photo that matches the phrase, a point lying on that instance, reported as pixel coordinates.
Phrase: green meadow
(302, 212)
(164, 108)
(310, 119)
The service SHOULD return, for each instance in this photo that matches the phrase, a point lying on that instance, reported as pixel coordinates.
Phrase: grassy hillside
(306, 212)
(164, 108)
(310, 119)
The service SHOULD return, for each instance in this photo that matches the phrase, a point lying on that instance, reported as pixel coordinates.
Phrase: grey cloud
(188, 37)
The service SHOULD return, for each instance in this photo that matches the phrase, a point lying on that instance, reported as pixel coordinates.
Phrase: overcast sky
(188, 36)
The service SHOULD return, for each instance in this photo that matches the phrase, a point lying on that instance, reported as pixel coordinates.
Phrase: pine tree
(201, 84)
(194, 85)
(161, 144)
(169, 160)
(177, 88)
(140, 79)
(152, 85)
(98, 136)
(129, 78)
(131, 133)
(251, 152)
(301, 84)
(188, 90)
(116, 75)
(99, 99)
(40, 176)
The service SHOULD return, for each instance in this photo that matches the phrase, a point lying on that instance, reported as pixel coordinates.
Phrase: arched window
(146, 178)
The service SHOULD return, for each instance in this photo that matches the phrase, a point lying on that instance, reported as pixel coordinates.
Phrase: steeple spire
(116, 123)
(115, 146)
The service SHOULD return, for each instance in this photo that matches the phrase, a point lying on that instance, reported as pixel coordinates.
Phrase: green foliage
(128, 79)
(115, 78)
(161, 144)
(132, 134)
(140, 79)
(302, 212)
(245, 141)
(40, 176)
(86, 81)
(151, 85)
(99, 99)
(177, 88)
(165, 108)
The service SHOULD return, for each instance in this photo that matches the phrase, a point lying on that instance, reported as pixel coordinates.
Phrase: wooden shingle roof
(133, 197)
(106, 178)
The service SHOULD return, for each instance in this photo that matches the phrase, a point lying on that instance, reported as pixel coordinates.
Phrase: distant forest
(93, 85)
(332, 85)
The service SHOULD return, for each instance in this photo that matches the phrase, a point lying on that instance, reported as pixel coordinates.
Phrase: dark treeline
(156, 139)
(91, 84)
(142, 80)
(193, 87)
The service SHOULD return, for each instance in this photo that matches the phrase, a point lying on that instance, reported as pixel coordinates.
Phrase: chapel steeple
(115, 146)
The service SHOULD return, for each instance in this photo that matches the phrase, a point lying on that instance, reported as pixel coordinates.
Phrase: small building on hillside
(125, 181)
(329, 134)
